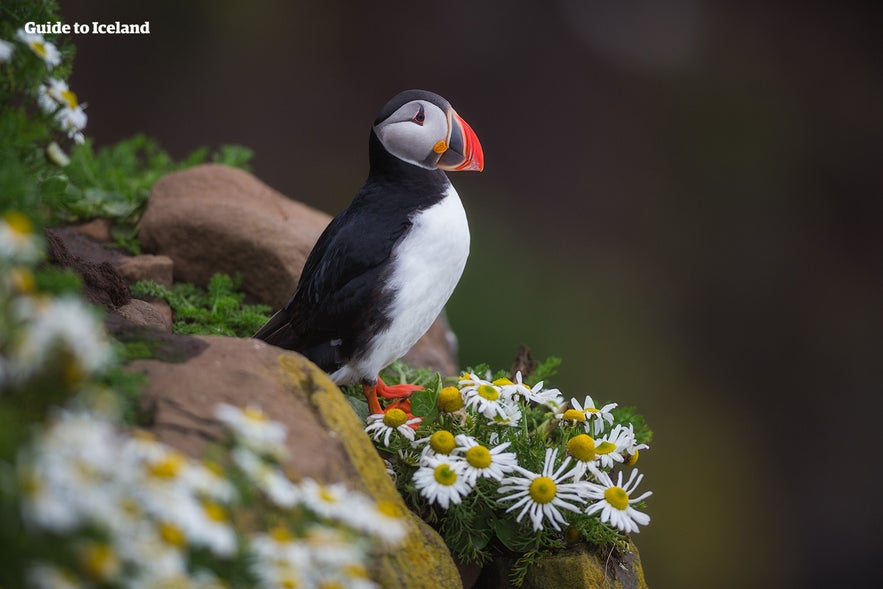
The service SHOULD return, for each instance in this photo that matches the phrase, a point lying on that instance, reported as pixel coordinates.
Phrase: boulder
(190, 375)
(146, 267)
(157, 315)
(214, 218)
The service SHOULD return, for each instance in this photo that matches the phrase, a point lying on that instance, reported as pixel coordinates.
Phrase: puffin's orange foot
(396, 391)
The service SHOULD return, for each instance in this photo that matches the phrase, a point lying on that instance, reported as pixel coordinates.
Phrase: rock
(146, 314)
(214, 218)
(102, 284)
(146, 267)
(326, 440)
(578, 567)
(97, 230)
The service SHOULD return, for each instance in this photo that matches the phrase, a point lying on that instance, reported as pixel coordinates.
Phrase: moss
(423, 561)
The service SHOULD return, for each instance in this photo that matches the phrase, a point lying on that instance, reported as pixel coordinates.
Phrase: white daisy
(481, 462)
(614, 502)
(18, 240)
(483, 396)
(440, 442)
(551, 398)
(41, 47)
(441, 480)
(253, 429)
(72, 121)
(6, 49)
(383, 520)
(391, 420)
(632, 450)
(595, 418)
(508, 414)
(280, 559)
(542, 495)
(582, 449)
(272, 481)
(41, 575)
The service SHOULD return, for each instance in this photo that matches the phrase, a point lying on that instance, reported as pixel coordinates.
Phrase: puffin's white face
(418, 133)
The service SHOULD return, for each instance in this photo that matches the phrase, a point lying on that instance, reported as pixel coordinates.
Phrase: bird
(384, 268)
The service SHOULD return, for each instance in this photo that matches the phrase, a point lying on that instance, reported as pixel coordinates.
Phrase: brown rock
(145, 314)
(96, 230)
(146, 267)
(326, 440)
(102, 283)
(214, 218)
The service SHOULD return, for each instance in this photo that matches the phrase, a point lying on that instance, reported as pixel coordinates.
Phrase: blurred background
(681, 199)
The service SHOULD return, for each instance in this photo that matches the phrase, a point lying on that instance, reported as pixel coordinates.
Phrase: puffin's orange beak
(464, 152)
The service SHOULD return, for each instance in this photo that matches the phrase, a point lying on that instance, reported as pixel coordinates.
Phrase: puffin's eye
(419, 117)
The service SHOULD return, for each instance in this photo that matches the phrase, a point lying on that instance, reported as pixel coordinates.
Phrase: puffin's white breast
(427, 264)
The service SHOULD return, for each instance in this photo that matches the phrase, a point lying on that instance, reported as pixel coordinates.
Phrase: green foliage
(216, 310)
(481, 526)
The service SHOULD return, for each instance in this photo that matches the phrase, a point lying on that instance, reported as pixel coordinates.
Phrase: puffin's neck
(385, 167)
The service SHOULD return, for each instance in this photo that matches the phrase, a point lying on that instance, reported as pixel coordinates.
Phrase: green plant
(500, 464)
(216, 310)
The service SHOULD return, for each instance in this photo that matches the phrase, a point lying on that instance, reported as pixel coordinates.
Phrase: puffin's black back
(342, 298)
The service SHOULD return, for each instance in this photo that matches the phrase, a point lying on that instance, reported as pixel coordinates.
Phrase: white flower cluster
(54, 97)
(41, 335)
(136, 511)
(572, 478)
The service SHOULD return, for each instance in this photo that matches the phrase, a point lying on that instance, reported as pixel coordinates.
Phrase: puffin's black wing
(338, 304)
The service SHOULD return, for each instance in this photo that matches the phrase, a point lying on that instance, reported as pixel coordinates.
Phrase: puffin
(383, 269)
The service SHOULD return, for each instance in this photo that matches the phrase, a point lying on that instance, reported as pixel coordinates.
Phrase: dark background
(681, 199)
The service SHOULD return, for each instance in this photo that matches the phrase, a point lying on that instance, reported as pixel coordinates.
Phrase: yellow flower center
(39, 49)
(389, 509)
(617, 497)
(449, 400)
(254, 414)
(330, 585)
(70, 98)
(442, 442)
(574, 415)
(632, 458)
(99, 561)
(167, 468)
(280, 534)
(172, 534)
(445, 475)
(356, 571)
(542, 490)
(502, 382)
(19, 223)
(326, 495)
(582, 447)
(289, 582)
(395, 417)
(214, 511)
(22, 280)
(605, 448)
(489, 392)
(478, 457)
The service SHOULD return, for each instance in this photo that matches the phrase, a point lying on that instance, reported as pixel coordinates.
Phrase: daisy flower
(18, 240)
(441, 481)
(383, 520)
(595, 418)
(391, 420)
(253, 429)
(332, 501)
(6, 49)
(483, 396)
(542, 495)
(479, 461)
(614, 501)
(582, 449)
(632, 450)
(449, 400)
(549, 397)
(41, 47)
(508, 414)
(608, 450)
(269, 479)
(440, 442)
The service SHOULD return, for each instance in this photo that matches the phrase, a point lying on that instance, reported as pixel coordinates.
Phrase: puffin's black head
(423, 129)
